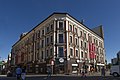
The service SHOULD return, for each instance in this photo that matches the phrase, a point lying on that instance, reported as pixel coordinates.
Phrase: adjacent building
(116, 61)
(62, 42)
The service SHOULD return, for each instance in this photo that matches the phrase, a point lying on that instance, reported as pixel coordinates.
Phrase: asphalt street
(95, 76)
(64, 78)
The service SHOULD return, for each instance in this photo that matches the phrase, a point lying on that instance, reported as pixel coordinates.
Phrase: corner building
(62, 42)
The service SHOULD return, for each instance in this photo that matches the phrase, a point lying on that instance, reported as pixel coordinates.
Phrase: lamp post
(52, 64)
(78, 61)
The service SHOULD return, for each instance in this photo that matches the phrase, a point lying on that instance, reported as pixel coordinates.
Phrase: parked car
(115, 70)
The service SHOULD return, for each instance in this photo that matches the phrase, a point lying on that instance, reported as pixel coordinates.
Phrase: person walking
(18, 72)
(23, 73)
(103, 71)
(49, 72)
(84, 70)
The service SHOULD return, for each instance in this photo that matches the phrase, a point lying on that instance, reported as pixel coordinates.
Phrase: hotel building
(62, 42)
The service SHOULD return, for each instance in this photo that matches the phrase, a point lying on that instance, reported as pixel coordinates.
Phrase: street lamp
(78, 61)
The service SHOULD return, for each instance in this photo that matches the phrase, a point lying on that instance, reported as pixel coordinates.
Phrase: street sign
(52, 62)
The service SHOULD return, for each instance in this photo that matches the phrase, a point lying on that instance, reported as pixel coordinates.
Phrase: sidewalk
(37, 75)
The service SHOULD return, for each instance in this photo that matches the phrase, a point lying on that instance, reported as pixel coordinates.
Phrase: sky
(18, 16)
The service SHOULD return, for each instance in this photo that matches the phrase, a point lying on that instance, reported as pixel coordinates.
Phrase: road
(64, 78)
(95, 76)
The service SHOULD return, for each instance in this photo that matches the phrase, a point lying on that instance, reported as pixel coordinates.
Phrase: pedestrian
(23, 73)
(103, 71)
(18, 72)
(92, 70)
(84, 70)
(49, 71)
(77, 71)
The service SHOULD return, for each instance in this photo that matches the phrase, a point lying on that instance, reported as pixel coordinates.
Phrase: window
(97, 49)
(85, 45)
(85, 35)
(47, 40)
(61, 53)
(32, 57)
(89, 38)
(61, 25)
(101, 45)
(42, 32)
(75, 30)
(85, 55)
(76, 41)
(80, 33)
(96, 42)
(81, 54)
(51, 38)
(48, 29)
(77, 53)
(70, 27)
(42, 43)
(38, 34)
(51, 50)
(51, 26)
(42, 55)
(81, 43)
(71, 52)
(47, 53)
(37, 45)
(38, 55)
(60, 38)
(70, 39)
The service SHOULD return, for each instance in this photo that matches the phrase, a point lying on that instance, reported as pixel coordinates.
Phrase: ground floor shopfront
(59, 66)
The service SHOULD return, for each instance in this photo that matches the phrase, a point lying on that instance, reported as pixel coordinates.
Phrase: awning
(74, 64)
(99, 64)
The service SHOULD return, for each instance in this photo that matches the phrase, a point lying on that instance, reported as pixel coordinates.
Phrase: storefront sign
(61, 60)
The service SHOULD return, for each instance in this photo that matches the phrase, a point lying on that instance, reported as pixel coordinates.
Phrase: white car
(115, 70)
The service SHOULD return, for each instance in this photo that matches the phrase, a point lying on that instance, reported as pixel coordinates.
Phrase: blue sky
(18, 16)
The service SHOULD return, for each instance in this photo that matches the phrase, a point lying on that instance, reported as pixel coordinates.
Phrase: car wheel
(115, 74)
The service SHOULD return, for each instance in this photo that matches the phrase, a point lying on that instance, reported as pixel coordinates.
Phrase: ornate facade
(62, 40)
